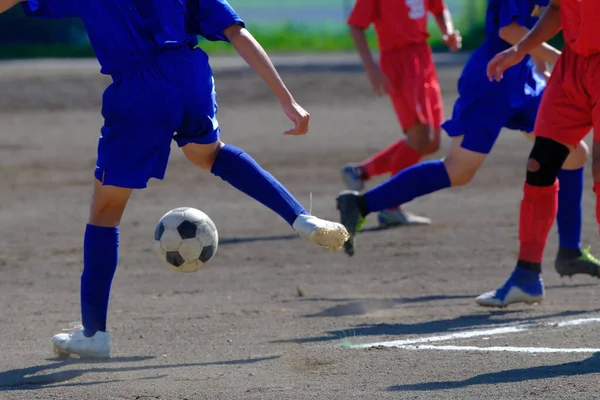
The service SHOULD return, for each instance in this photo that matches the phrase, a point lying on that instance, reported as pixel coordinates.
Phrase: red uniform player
(406, 72)
(569, 109)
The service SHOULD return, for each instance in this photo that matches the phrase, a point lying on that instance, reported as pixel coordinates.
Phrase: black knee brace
(550, 157)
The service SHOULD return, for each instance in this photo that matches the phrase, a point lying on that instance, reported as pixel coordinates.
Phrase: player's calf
(571, 259)
(538, 210)
(596, 176)
(237, 168)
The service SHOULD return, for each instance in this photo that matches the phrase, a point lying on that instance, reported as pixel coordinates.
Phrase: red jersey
(581, 25)
(397, 22)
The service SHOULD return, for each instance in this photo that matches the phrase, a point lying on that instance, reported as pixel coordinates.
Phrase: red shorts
(570, 107)
(415, 93)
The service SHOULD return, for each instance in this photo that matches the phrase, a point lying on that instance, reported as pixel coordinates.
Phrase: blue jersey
(519, 82)
(126, 34)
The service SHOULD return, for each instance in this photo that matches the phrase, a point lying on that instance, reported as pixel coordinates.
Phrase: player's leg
(419, 142)
(474, 128)
(562, 122)
(414, 95)
(457, 169)
(571, 258)
(133, 148)
(417, 101)
(423, 136)
(396, 157)
(241, 171)
(100, 253)
(538, 211)
(199, 139)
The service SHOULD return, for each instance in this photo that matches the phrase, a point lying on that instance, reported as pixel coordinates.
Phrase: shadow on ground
(577, 368)
(30, 379)
(471, 321)
(365, 306)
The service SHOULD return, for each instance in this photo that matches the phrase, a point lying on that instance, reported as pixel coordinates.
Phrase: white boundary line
(508, 349)
(444, 338)
(410, 344)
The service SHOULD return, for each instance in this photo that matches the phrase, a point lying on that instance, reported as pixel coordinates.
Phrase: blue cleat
(523, 286)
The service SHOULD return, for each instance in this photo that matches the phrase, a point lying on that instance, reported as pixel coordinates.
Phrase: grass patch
(288, 38)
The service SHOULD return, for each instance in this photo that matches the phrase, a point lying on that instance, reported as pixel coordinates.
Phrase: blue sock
(569, 216)
(100, 250)
(238, 169)
(418, 180)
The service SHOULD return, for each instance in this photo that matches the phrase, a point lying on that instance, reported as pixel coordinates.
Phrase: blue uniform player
(479, 114)
(163, 89)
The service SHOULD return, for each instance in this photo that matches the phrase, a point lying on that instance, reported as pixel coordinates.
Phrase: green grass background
(317, 26)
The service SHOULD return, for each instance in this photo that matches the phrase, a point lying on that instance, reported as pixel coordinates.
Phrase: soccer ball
(185, 239)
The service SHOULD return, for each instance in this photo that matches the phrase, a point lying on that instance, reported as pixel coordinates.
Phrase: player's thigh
(199, 132)
(410, 71)
(565, 114)
(435, 102)
(139, 121)
(478, 121)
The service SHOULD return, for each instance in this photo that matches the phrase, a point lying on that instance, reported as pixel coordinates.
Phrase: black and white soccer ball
(185, 239)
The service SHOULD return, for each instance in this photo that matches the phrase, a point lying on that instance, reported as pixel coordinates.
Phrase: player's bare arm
(450, 36)
(256, 57)
(379, 81)
(8, 4)
(514, 33)
(547, 27)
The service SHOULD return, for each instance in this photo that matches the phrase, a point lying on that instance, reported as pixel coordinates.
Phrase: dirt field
(272, 317)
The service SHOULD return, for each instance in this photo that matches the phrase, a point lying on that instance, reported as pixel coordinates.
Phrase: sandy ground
(268, 317)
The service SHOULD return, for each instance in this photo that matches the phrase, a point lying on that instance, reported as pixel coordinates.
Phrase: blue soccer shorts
(480, 121)
(171, 98)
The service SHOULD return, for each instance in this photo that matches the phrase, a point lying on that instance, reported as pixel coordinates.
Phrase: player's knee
(577, 157)
(596, 162)
(419, 138)
(432, 147)
(202, 155)
(545, 161)
(107, 213)
(460, 174)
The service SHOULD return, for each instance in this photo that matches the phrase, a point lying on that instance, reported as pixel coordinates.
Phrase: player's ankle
(569, 253)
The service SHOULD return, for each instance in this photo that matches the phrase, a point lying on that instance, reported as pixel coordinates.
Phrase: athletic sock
(100, 251)
(413, 182)
(404, 157)
(381, 163)
(569, 214)
(237, 168)
(538, 211)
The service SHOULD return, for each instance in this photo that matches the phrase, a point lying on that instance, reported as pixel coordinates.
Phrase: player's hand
(379, 82)
(503, 61)
(453, 41)
(298, 115)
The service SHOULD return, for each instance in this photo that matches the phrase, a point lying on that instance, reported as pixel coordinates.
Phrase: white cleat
(67, 344)
(400, 217)
(327, 234)
(502, 298)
